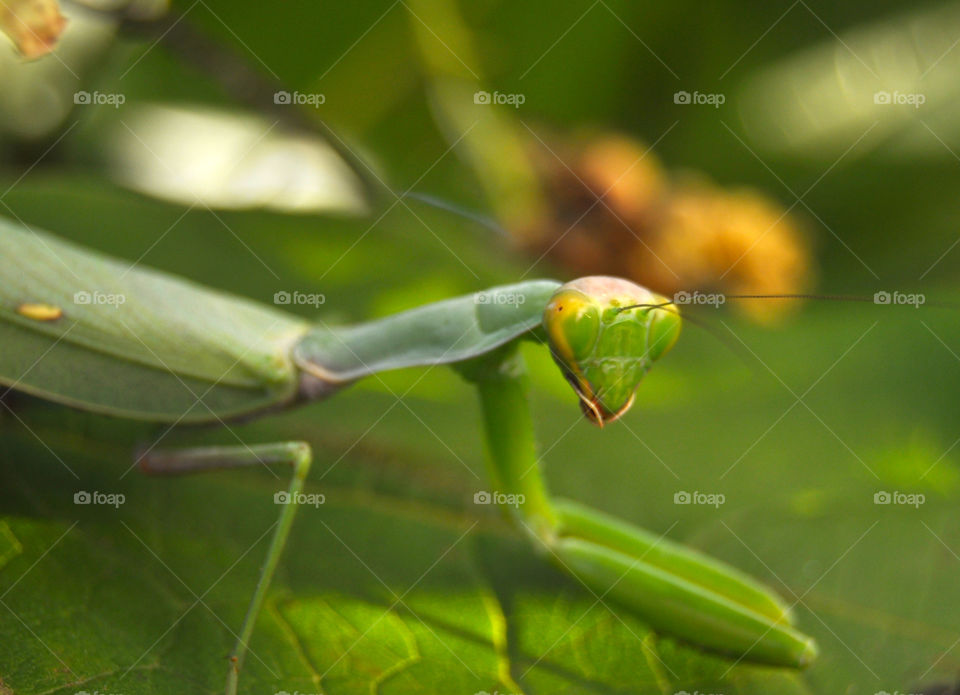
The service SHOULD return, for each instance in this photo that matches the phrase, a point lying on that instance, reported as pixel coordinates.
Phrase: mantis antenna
(820, 297)
(737, 349)
(442, 204)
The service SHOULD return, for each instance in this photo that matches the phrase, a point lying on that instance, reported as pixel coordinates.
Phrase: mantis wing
(97, 333)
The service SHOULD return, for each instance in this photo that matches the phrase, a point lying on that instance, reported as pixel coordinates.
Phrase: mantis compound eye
(605, 333)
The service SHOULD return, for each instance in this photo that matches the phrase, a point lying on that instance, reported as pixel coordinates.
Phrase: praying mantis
(91, 332)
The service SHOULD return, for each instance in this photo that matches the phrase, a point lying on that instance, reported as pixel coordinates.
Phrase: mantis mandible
(148, 357)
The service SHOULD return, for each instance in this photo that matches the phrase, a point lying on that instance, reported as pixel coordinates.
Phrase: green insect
(85, 331)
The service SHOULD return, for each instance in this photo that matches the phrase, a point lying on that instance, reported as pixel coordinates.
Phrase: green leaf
(375, 594)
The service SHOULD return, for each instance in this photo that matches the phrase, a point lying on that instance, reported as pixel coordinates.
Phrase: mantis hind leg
(183, 461)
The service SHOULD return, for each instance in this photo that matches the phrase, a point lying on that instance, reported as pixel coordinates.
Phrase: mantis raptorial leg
(501, 382)
(297, 454)
(691, 595)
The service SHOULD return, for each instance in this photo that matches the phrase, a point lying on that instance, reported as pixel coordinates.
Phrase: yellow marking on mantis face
(38, 311)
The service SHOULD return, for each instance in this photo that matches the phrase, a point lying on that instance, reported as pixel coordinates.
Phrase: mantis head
(605, 333)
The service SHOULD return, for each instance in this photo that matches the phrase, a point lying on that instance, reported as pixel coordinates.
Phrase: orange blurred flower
(33, 25)
(666, 233)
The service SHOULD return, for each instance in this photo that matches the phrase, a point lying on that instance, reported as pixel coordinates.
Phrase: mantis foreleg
(513, 469)
(677, 591)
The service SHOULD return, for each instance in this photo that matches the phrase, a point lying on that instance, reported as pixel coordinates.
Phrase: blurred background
(387, 154)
